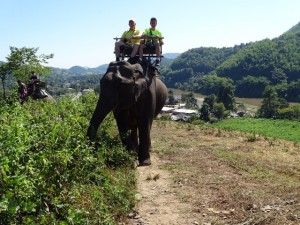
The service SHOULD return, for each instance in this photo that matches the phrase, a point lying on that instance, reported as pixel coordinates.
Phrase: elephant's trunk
(102, 109)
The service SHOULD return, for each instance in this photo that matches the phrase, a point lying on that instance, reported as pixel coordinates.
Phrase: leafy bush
(198, 122)
(51, 174)
(219, 110)
(289, 113)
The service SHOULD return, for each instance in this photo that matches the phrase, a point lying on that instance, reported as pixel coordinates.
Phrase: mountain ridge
(102, 68)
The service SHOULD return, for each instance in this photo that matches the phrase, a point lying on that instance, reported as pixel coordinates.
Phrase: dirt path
(159, 204)
(212, 177)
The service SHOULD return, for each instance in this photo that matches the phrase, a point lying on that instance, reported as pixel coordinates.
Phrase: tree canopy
(22, 61)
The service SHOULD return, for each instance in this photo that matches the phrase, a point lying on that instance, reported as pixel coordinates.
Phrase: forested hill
(258, 59)
(294, 29)
(264, 57)
(79, 70)
(204, 60)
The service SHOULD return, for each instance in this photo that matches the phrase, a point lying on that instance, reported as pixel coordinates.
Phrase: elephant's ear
(140, 87)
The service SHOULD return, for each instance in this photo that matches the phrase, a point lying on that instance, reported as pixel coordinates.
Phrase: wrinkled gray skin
(134, 100)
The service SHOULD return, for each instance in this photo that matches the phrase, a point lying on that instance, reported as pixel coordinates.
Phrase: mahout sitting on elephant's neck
(149, 69)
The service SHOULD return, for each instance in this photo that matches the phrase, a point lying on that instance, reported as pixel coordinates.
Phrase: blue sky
(81, 32)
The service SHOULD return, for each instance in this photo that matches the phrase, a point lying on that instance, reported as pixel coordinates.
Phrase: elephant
(37, 93)
(135, 99)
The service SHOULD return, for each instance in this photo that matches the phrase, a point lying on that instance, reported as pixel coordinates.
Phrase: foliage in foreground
(50, 173)
(282, 129)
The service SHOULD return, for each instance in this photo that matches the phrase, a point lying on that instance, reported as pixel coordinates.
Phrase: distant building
(185, 111)
(181, 105)
(166, 109)
(179, 112)
(85, 91)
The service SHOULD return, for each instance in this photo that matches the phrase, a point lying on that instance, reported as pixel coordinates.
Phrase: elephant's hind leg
(134, 139)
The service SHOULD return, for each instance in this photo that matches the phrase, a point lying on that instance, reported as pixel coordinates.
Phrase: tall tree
(204, 112)
(226, 95)
(171, 100)
(4, 71)
(210, 101)
(190, 100)
(219, 110)
(271, 103)
(22, 61)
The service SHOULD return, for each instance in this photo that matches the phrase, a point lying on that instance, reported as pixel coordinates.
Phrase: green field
(281, 129)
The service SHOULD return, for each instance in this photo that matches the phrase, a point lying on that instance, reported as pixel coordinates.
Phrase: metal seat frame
(149, 53)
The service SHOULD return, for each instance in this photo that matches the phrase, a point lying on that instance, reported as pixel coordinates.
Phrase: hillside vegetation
(251, 67)
(51, 174)
(264, 57)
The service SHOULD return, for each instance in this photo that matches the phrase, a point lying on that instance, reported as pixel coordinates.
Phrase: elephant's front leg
(144, 143)
(126, 134)
(134, 139)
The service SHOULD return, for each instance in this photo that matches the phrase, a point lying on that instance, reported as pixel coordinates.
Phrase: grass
(229, 169)
(154, 177)
(281, 129)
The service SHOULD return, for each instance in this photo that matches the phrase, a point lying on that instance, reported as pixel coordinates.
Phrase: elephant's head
(120, 88)
(122, 84)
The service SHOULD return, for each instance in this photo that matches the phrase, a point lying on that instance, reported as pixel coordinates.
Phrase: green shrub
(165, 117)
(51, 174)
(219, 110)
(198, 122)
(289, 113)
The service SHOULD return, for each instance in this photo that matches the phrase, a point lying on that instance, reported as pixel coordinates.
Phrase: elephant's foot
(146, 162)
(91, 133)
